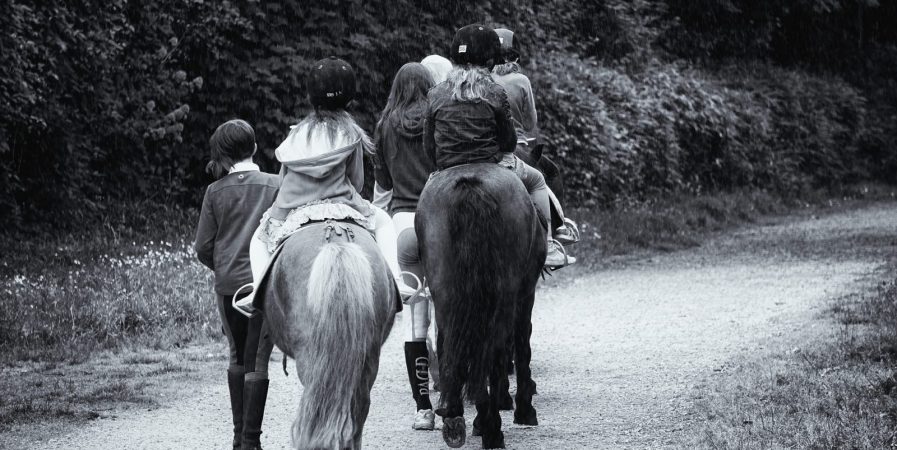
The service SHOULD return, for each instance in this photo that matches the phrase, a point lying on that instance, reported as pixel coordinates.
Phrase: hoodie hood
(316, 155)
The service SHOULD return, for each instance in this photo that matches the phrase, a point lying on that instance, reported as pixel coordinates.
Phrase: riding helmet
(509, 47)
(476, 45)
(331, 83)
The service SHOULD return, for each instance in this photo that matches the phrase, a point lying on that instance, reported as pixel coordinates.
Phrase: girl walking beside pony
(231, 210)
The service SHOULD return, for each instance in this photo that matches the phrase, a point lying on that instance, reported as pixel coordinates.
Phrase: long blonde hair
(468, 83)
(335, 122)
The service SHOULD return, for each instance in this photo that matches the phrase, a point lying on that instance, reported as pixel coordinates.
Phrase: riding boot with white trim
(417, 362)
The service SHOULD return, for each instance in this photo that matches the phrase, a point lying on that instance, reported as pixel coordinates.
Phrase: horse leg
(491, 423)
(454, 430)
(505, 402)
(482, 404)
(525, 414)
(362, 402)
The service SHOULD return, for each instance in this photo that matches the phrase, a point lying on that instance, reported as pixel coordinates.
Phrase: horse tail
(479, 311)
(341, 311)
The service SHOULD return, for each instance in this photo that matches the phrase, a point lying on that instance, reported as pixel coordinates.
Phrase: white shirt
(245, 165)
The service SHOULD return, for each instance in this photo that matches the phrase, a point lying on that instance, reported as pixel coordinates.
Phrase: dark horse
(535, 156)
(482, 245)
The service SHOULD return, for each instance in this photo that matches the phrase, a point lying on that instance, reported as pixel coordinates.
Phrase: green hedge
(681, 129)
(116, 99)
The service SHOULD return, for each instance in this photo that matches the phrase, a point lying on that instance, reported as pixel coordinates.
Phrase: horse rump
(342, 311)
(468, 251)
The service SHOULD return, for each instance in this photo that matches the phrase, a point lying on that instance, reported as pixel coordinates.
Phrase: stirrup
(420, 294)
(572, 230)
(248, 312)
(567, 261)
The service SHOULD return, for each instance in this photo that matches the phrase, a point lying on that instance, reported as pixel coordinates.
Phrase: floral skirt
(274, 231)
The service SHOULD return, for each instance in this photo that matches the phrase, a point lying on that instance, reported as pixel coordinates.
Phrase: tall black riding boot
(255, 392)
(417, 360)
(235, 386)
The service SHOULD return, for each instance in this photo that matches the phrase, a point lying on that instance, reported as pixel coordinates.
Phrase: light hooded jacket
(316, 170)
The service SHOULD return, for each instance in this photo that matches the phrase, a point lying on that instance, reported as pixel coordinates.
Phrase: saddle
(333, 230)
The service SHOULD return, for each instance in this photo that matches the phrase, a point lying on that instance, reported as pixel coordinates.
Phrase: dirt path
(617, 355)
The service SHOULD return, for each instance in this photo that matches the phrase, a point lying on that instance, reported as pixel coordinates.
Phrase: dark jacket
(468, 132)
(401, 163)
(231, 211)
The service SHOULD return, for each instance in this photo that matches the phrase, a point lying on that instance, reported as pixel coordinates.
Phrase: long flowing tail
(341, 308)
(477, 326)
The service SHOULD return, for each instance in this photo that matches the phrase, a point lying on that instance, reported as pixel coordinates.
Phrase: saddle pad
(259, 301)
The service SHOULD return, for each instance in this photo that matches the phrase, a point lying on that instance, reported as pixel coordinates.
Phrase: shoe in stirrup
(568, 233)
(408, 293)
(244, 305)
(557, 255)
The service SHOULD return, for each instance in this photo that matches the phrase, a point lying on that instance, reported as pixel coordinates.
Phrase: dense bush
(669, 129)
(118, 98)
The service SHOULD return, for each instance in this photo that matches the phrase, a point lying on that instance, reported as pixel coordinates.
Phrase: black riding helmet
(510, 51)
(331, 83)
(477, 45)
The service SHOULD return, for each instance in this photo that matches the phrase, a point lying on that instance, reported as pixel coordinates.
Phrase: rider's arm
(355, 169)
(205, 233)
(381, 170)
(530, 120)
(506, 135)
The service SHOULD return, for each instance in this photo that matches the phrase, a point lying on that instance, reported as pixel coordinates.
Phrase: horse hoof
(494, 442)
(454, 431)
(526, 417)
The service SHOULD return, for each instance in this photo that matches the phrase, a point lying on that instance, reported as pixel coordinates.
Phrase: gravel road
(617, 354)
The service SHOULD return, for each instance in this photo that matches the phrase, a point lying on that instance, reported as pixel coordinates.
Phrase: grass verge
(831, 393)
(679, 222)
(132, 280)
(68, 391)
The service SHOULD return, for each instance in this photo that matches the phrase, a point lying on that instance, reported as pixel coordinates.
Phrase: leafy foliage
(116, 100)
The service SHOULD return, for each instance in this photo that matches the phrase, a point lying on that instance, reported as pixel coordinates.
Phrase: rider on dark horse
(469, 120)
(526, 124)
